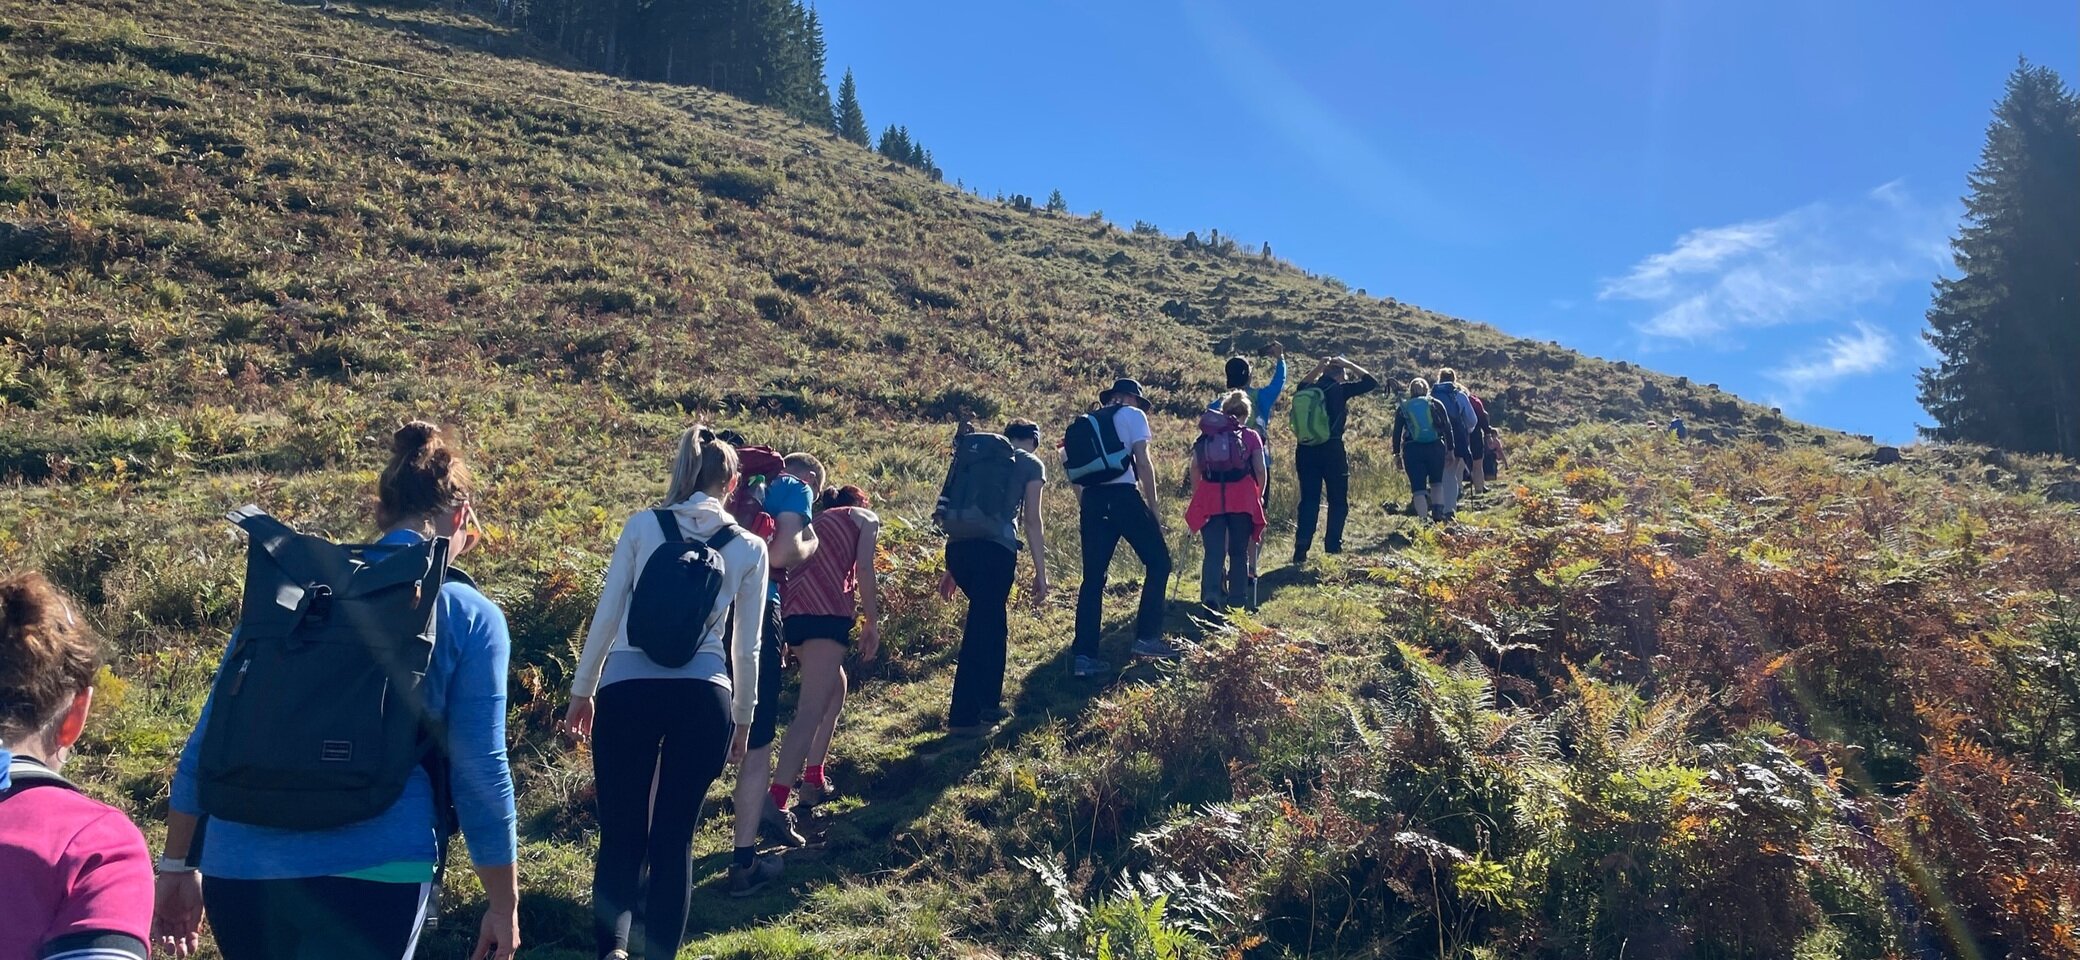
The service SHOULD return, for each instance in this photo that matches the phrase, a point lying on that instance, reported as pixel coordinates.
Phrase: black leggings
(677, 732)
(314, 918)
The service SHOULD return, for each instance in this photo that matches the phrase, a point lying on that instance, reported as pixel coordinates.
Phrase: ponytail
(703, 463)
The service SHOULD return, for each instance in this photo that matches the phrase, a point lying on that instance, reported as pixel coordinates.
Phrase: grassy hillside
(1750, 698)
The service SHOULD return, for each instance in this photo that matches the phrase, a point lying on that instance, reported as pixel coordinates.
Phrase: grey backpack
(318, 716)
(981, 500)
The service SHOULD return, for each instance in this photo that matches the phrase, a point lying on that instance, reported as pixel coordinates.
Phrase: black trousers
(1113, 512)
(315, 918)
(984, 570)
(1322, 466)
(677, 732)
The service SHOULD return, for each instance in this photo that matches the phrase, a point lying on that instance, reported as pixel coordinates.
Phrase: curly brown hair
(48, 655)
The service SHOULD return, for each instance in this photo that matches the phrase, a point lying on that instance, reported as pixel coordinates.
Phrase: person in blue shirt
(362, 890)
(1262, 400)
(790, 499)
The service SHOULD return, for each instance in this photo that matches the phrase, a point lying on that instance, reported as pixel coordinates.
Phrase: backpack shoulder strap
(23, 774)
(728, 533)
(669, 522)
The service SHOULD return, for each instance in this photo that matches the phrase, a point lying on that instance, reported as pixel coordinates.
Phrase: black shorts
(766, 719)
(804, 627)
(1425, 465)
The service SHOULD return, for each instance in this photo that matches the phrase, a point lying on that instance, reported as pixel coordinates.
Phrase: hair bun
(413, 437)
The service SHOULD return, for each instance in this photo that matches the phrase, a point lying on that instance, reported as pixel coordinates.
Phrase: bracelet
(168, 865)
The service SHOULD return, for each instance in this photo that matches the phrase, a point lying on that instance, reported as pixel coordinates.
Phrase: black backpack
(980, 502)
(317, 717)
(674, 601)
(1092, 452)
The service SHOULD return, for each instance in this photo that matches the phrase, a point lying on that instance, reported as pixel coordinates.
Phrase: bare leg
(750, 799)
(820, 748)
(823, 680)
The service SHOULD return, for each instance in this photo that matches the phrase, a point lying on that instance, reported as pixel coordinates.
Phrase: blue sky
(1754, 194)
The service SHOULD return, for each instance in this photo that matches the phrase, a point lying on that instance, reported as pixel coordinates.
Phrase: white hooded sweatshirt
(743, 583)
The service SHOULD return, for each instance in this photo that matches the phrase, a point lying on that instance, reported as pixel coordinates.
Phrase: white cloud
(1812, 264)
(1867, 350)
(1698, 251)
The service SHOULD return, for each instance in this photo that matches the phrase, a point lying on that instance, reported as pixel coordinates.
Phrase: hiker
(823, 600)
(1477, 469)
(1679, 429)
(655, 693)
(992, 491)
(281, 873)
(1227, 506)
(1106, 453)
(1421, 425)
(1492, 456)
(786, 507)
(1458, 442)
(1262, 401)
(1320, 411)
(75, 877)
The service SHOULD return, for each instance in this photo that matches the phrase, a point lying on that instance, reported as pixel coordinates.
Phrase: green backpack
(1311, 417)
(1422, 419)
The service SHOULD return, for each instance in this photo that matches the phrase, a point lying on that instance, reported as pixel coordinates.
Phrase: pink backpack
(1220, 453)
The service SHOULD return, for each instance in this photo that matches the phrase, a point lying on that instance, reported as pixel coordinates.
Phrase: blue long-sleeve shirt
(1266, 398)
(466, 687)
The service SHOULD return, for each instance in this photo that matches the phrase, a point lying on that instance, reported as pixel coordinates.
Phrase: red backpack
(1220, 453)
(756, 467)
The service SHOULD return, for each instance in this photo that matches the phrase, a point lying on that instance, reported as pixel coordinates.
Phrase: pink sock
(813, 776)
(779, 795)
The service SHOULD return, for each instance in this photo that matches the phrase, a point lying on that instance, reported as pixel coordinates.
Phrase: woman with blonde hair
(1229, 471)
(655, 694)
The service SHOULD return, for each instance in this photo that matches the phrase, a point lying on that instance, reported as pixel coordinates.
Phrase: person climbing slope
(655, 694)
(75, 878)
(292, 871)
(1458, 442)
(1263, 400)
(1227, 506)
(1106, 453)
(1421, 424)
(992, 492)
(823, 601)
(1320, 412)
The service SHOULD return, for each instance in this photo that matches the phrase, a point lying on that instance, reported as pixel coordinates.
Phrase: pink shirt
(69, 865)
(826, 586)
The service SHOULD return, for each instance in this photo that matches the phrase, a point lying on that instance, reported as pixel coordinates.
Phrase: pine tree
(2008, 327)
(1055, 203)
(895, 143)
(852, 121)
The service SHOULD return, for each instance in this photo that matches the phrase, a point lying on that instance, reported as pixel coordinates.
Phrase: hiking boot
(745, 881)
(1090, 667)
(1154, 648)
(810, 794)
(966, 731)
(776, 827)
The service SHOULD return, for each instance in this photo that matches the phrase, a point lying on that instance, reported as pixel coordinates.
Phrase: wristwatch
(168, 865)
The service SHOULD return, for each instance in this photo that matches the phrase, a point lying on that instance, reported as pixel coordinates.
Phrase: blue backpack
(674, 600)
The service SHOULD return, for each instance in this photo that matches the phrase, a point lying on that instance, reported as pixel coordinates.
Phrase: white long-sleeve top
(607, 650)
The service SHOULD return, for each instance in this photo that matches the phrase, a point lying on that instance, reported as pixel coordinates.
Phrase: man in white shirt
(1123, 508)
